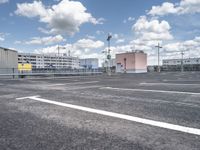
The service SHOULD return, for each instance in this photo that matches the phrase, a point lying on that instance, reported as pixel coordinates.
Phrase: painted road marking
(145, 90)
(166, 80)
(55, 85)
(83, 87)
(164, 125)
(160, 83)
(73, 83)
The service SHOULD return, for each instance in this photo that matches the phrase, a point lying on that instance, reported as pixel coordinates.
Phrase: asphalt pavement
(153, 111)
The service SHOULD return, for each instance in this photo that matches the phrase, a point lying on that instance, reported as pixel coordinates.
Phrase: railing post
(13, 71)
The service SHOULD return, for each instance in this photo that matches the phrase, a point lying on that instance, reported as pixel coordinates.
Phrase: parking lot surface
(153, 111)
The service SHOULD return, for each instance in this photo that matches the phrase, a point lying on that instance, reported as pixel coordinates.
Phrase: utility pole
(58, 57)
(59, 54)
(108, 54)
(158, 46)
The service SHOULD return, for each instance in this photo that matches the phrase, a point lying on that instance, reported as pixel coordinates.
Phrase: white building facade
(188, 61)
(89, 63)
(49, 60)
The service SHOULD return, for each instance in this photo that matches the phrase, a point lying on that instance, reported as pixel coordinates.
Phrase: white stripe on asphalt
(149, 84)
(145, 90)
(55, 85)
(164, 125)
(73, 83)
(87, 82)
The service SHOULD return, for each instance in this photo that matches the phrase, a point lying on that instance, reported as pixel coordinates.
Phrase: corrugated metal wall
(8, 58)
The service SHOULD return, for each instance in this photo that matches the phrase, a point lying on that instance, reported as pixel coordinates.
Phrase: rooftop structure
(131, 62)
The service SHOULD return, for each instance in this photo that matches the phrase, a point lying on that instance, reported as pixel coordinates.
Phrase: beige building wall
(131, 62)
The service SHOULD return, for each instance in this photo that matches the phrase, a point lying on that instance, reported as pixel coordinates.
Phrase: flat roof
(8, 49)
(132, 52)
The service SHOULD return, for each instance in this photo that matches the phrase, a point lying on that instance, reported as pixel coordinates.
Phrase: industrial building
(131, 62)
(89, 63)
(188, 61)
(48, 60)
(8, 60)
(189, 64)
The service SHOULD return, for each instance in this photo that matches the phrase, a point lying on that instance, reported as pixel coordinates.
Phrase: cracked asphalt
(32, 125)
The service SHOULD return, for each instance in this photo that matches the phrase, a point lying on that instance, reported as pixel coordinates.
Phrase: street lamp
(108, 53)
(158, 46)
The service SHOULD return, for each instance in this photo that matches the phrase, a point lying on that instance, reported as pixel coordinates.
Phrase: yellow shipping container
(24, 67)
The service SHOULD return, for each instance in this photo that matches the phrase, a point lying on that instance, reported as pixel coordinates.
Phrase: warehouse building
(48, 61)
(189, 61)
(131, 62)
(189, 64)
(8, 60)
(89, 63)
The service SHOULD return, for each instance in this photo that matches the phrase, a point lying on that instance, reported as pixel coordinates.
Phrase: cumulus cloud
(64, 18)
(4, 1)
(120, 41)
(88, 44)
(43, 40)
(183, 7)
(98, 32)
(148, 31)
(188, 45)
(129, 19)
(2, 39)
(83, 48)
(90, 37)
(46, 40)
(2, 36)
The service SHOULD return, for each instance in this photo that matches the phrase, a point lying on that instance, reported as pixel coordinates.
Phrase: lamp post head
(109, 37)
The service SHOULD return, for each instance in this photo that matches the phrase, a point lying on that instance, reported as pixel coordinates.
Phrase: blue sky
(82, 26)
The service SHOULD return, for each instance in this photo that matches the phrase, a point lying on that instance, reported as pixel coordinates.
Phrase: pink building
(131, 62)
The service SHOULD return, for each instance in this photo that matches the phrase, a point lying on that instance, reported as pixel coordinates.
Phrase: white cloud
(45, 31)
(88, 44)
(90, 37)
(64, 18)
(2, 36)
(117, 36)
(2, 39)
(98, 32)
(165, 8)
(143, 25)
(129, 19)
(120, 41)
(4, 1)
(43, 40)
(83, 48)
(183, 7)
(152, 30)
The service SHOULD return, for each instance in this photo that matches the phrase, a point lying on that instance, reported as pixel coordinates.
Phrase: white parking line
(55, 85)
(154, 91)
(87, 82)
(160, 83)
(73, 83)
(164, 125)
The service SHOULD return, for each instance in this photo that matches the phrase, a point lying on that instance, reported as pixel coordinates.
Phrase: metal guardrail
(13, 72)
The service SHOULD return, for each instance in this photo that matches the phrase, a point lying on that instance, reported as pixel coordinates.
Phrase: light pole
(158, 46)
(59, 47)
(108, 53)
(182, 52)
